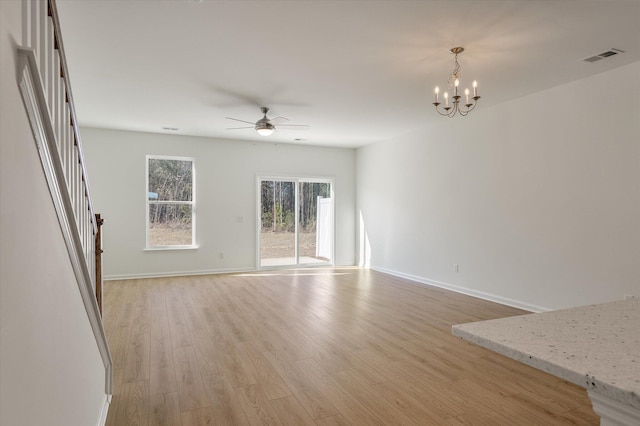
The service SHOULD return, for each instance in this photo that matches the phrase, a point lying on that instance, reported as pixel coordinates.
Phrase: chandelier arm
(446, 113)
(469, 107)
(472, 106)
(442, 113)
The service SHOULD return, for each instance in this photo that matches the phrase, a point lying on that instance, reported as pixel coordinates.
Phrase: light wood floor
(316, 347)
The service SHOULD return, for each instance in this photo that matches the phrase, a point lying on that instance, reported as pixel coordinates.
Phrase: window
(170, 202)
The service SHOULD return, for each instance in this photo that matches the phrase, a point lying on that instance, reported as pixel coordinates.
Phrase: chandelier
(454, 107)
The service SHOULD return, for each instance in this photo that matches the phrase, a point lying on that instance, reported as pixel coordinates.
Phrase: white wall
(226, 189)
(536, 200)
(51, 372)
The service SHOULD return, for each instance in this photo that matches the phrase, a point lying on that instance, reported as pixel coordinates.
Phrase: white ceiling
(357, 72)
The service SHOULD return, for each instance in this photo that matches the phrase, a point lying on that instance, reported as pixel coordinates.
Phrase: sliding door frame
(296, 179)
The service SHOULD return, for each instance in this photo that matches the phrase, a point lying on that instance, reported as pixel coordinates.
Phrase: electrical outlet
(456, 267)
(629, 296)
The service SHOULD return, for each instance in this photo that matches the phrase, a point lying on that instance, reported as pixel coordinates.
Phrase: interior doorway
(295, 222)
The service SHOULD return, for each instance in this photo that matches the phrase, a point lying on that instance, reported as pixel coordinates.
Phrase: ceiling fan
(265, 126)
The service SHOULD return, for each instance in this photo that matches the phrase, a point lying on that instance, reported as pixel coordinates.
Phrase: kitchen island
(596, 347)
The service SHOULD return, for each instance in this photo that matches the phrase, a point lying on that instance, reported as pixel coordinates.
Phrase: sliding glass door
(295, 218)
(277, 237)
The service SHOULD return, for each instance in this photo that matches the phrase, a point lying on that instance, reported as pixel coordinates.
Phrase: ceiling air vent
(603, 55)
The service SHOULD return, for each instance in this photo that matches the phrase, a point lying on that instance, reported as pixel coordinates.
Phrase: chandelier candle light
(454, 82)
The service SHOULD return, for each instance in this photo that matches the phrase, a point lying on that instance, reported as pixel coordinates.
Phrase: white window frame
(192, 203)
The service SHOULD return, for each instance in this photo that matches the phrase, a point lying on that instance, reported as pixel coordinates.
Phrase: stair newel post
(99, 222)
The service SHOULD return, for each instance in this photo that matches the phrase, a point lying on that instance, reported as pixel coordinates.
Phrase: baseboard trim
(207, 272)
(176, 274)
(102, 419)
(422, 280)
(463, 290)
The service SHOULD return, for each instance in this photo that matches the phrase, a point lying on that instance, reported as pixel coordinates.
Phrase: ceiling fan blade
(242, 121)
(236, 128)
(278, 117)
(293, 125)
(243, 98)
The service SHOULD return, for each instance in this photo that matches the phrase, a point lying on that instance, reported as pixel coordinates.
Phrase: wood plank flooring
(342, 346)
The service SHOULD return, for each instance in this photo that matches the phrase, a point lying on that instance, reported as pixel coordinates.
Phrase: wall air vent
(603, 55)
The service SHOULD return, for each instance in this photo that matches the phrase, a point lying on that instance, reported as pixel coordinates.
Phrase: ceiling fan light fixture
(265, 129)
(265, 126)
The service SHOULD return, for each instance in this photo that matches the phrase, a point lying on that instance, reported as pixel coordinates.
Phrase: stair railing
(44, 84)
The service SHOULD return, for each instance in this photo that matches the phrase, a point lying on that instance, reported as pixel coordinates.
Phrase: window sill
(176, 248)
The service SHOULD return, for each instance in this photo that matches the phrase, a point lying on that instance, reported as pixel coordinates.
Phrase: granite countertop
(596, 347)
